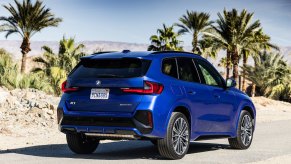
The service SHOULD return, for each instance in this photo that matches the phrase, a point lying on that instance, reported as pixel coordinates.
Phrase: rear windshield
(110, 68)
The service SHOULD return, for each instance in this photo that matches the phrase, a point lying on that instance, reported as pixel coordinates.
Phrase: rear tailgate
(100, 84)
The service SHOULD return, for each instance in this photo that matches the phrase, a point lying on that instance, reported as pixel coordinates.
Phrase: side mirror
(230, 83)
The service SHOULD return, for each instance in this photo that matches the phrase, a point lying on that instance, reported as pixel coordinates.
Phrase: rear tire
(80, 144)
(244, 137)
(176, 142)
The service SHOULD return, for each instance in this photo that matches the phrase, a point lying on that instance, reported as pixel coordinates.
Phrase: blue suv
(168, 98)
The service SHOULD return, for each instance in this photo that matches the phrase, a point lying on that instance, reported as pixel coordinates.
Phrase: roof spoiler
(184, 52)
(98, 53)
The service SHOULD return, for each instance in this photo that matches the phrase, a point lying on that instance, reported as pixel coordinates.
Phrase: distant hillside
(286, 51)
(90, 46)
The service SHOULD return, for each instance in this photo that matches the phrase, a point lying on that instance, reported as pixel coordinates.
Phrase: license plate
(99, 93)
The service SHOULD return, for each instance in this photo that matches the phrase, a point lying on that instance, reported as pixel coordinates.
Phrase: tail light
(149, 88)
(65, 89)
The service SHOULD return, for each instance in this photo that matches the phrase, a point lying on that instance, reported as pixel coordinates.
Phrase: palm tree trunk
(244, 72)
(195, 42)
(227, 64)
(25, 48)
(253, 92)
(235, 60)
(23, 63)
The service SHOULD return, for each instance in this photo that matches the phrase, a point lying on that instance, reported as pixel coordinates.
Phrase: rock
(46, 116)
(3, 95)
(51, 107)
(50, 112)
(29, 95)
(27, 108)
(32, 103)
(34, 110)
(41, 104)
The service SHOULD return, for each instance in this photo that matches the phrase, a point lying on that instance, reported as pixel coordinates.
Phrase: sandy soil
(270, 110)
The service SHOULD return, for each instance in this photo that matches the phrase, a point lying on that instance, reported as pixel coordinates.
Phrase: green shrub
(272, 75)
(11, 78)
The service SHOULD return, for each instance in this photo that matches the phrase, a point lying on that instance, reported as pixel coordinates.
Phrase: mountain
(90, 46)
(93, 46)
(286, 51)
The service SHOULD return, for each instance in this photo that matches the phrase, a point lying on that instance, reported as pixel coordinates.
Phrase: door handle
(191, 92)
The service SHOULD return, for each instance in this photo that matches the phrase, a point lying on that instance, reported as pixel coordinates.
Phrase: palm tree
(67, 58)
(57, 66)
(165, 40)
(194, 23)
(69, 53)
(222, 35)
(207, 47)
(252, 47)
(271, 75)
(27, 19)
(232, 31)
(223, 63)
(11, 78)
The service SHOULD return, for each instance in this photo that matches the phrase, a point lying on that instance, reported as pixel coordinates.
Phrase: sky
(135, 21)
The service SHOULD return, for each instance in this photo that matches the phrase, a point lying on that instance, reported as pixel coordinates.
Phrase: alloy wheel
(246, 130)
(180, 136)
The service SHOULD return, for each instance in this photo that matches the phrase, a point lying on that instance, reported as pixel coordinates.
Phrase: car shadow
(111, 150)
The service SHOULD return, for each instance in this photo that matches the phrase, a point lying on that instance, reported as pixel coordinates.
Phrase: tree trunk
(235, 60)
(23, 63)
(227, 63)
(253, 92)
(25, 48)
(195, 42)
(244, 87)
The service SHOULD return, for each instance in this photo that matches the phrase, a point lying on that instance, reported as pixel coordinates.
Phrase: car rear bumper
(106, 127)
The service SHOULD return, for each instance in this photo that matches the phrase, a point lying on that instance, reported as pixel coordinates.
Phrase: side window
(169, 67)
(187, 70)
(210, 75)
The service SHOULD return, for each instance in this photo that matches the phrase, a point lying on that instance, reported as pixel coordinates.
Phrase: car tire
(80, 144)
(176, 142)
(244, 132)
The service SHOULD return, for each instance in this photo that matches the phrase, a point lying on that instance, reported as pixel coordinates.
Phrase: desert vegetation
(165, 40)
(11, 78)
(271, 75)
(51, 71)
(54, 67)
(240, 38)
(233, 32)
(27, 19)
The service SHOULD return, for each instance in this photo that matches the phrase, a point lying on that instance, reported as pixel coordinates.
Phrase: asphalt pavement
(271, 140)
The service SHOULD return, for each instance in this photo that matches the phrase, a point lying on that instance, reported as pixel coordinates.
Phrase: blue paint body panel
(209, 115)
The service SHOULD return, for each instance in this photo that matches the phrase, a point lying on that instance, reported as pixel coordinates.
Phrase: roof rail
(103, 52)
(159, 52)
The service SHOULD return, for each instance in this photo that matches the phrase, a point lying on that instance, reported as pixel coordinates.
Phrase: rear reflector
(149, 88)
(65, 89)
